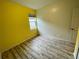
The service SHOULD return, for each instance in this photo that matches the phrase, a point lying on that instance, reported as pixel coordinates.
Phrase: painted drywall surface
(0, 32)
(55, 19)
(0, 25)
(77, 45)
(0, 56)
(16, 24)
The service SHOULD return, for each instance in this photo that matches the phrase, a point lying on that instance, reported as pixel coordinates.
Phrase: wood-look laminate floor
(41, 48)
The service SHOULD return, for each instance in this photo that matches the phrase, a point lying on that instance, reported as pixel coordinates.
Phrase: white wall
(55, 18)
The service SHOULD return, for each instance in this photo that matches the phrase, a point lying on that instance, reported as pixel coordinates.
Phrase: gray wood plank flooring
(41, 48)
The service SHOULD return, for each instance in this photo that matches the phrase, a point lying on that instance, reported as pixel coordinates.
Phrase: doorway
(74, 24)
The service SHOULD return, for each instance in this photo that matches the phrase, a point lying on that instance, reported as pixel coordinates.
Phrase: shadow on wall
(51, 30)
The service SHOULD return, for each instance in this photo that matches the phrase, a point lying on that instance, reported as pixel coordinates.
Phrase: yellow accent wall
(0, 24)
(16, 27)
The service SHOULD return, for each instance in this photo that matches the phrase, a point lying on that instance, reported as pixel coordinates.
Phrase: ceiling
(35, 4)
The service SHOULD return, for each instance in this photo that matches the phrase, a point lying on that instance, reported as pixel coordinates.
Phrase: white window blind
(32, 21)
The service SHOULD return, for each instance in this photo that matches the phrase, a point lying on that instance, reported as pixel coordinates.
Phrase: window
(32, 21)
